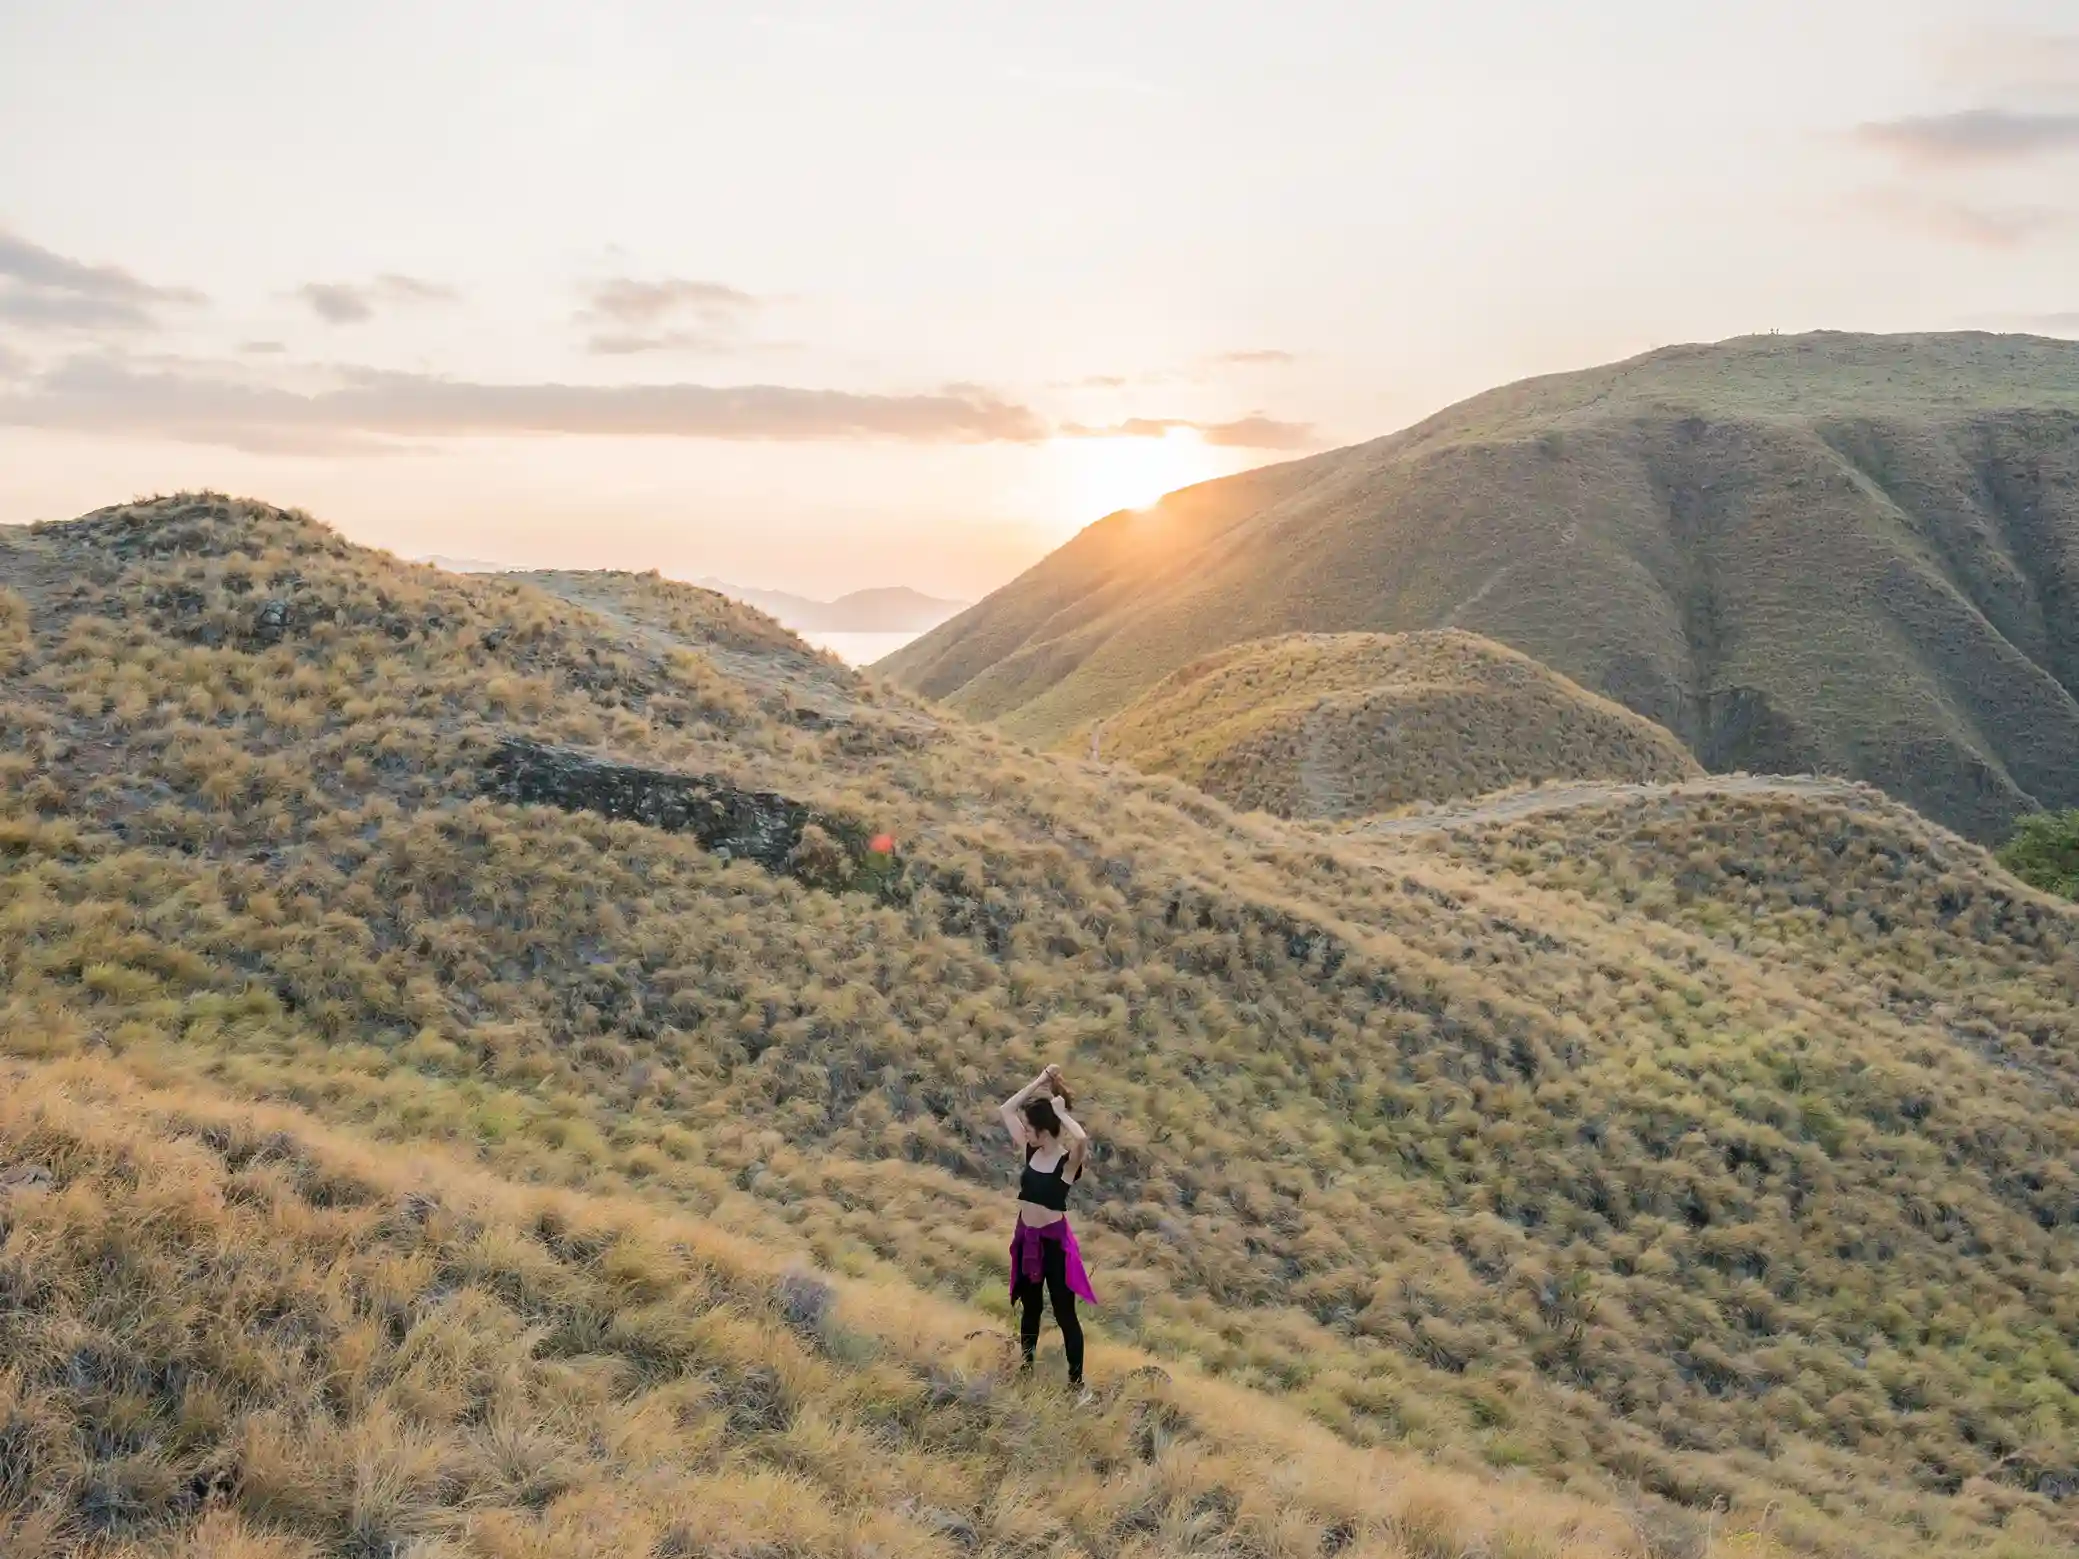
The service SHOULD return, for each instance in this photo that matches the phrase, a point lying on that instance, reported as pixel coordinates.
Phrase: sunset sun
(1102, 475)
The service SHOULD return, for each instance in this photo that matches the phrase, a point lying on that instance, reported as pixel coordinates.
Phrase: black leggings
(1054, 1271)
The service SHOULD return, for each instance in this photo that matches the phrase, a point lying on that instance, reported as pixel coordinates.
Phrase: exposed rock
(806, 1300)
(25, 1177)
(271, 621)
(785, 836)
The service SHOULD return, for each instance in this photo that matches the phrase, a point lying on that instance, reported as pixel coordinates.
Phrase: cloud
(355, 303)
(12, 364)
(1962, 221)
(1261, 355)
(627, 315)
(262, 348)
(1260, 433)
(632, 302)
(1253, 432)
(1972, 136)
(43, 290)
(619, 343)
(366, 410)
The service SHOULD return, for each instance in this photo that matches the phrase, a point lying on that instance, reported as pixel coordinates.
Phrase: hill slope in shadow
(1850, 554)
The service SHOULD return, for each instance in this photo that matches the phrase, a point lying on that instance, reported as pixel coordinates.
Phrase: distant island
(885, 609)
(888, 609)
(465, 565)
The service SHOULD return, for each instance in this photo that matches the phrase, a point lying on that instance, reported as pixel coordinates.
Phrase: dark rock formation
(781, 834)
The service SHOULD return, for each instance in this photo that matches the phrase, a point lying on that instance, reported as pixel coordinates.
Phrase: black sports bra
(1045, 1187)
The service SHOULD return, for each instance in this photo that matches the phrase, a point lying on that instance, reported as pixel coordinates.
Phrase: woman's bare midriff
(1039, 1217)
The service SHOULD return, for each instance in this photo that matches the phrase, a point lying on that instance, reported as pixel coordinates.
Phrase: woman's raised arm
(1078, 1139)
(1012, 1110)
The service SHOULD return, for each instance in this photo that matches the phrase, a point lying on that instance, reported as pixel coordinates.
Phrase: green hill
(1701, 1161)
(1850, 554)
(1340, 725)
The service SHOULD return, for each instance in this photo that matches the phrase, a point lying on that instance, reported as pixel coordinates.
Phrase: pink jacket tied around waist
(1028, 1257)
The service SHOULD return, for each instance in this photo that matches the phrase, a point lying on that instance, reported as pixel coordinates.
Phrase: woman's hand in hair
(1011, 1111)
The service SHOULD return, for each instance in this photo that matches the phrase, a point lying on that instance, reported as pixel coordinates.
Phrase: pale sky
(819, 296)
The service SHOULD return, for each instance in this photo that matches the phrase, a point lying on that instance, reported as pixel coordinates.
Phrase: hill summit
(1850, 554)
(1341, 725)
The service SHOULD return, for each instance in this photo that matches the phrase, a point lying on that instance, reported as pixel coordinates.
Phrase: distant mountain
(464, 565)
(1849, 554)
(890, 609)
(887, 609)
(1338, 725)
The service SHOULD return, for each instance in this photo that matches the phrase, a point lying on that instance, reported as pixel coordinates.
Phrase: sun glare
(1101, 475)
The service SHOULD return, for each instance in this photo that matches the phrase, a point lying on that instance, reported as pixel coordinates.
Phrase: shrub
(2044, 852)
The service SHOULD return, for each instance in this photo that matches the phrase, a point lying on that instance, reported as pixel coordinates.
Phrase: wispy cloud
(626, 315)
(12, 364)
(628, 301)
(1252, 432)
(355, 303)
(1260, 433)
(1992, 173)
(262, 348)
(1972, 136)
(1961, 220)
(364, 410)
(43, 290)
(1258, 356)
(628, 343)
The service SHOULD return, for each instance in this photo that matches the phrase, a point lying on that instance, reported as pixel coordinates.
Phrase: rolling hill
(1340, 725)
(469, 1082)
(1849, 554)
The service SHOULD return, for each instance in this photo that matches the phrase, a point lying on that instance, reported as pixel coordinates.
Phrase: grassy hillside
(1851, 554)
(233, 1334)
(1709, 1157)
(1339, 725)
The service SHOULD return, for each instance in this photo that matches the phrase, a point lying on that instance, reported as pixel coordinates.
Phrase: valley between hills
(471, 1087)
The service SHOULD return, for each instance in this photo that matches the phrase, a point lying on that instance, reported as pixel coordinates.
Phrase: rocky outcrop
(784, 836)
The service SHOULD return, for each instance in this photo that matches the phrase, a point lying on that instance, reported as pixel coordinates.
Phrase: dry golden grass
(1698, 1155)
(229, 1332)
(1344, 724)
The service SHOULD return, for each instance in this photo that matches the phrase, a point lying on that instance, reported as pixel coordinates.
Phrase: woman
(1043, 1252)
